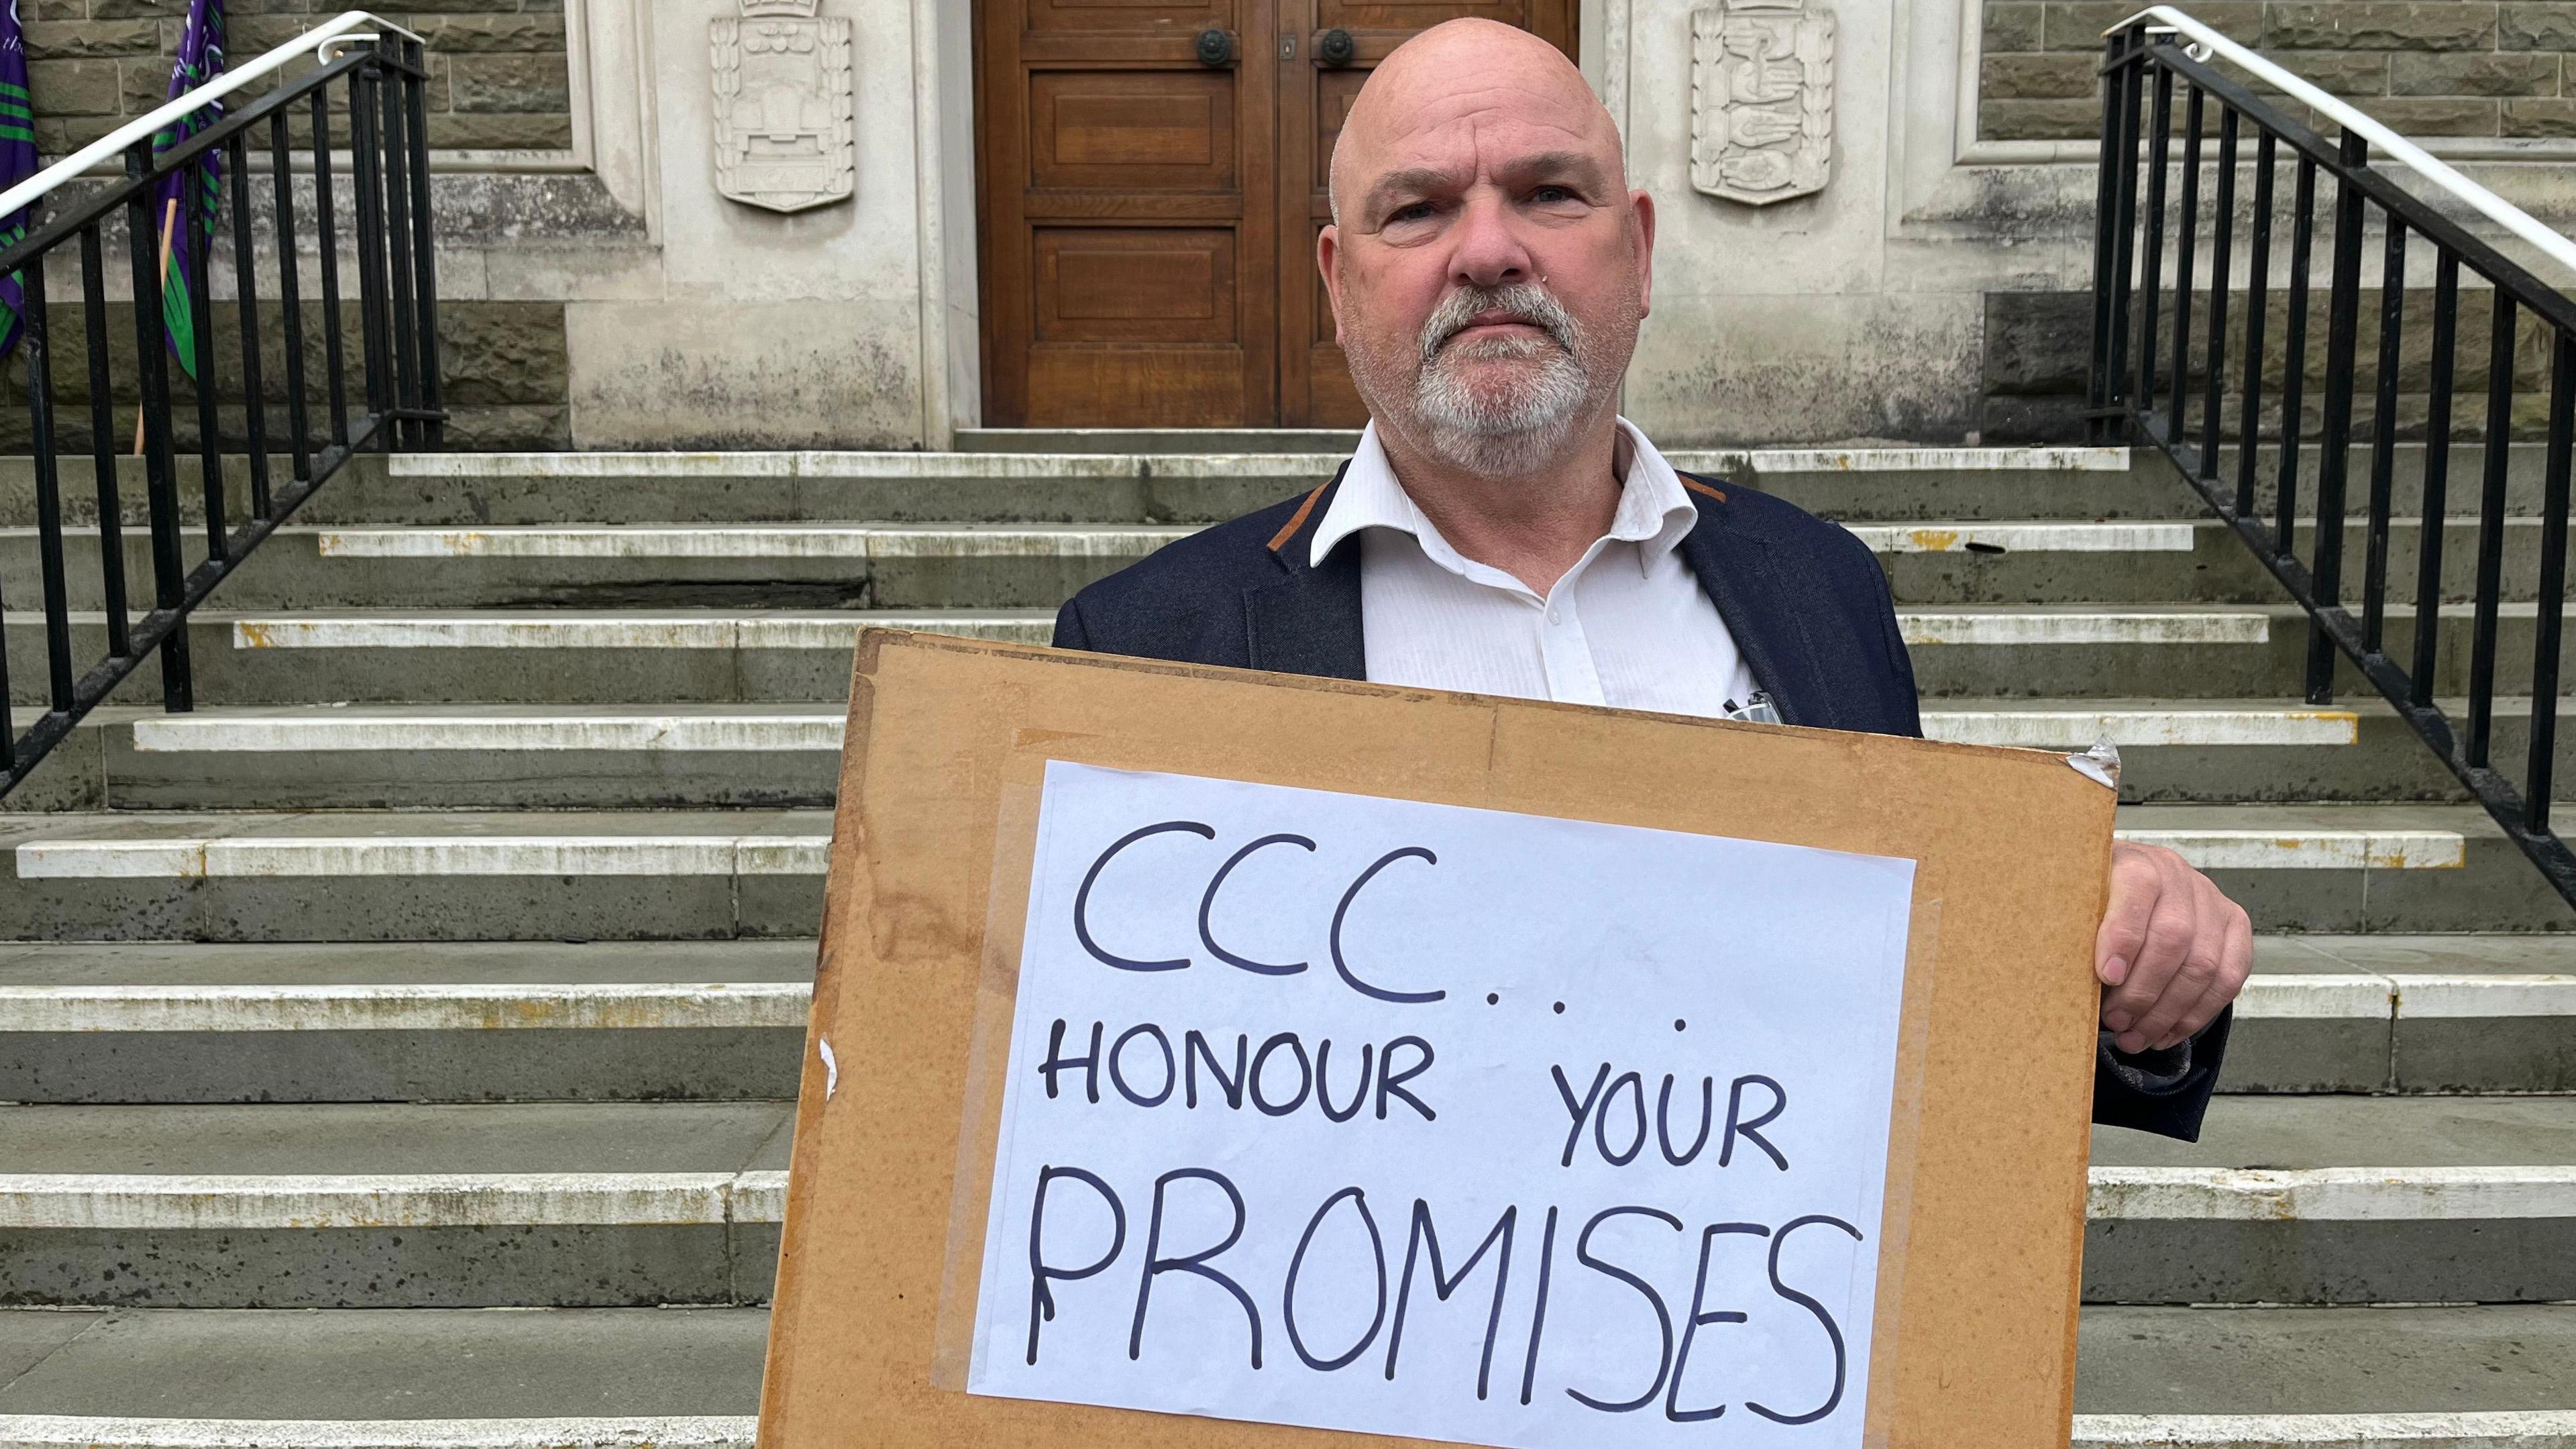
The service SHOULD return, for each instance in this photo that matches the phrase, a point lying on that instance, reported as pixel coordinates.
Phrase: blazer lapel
(1736, 572)
(1306, 620)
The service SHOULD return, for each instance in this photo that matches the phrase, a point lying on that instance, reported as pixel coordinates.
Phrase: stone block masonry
(503, 363)
(499, 73)
(2426, 67)
(2039, 344)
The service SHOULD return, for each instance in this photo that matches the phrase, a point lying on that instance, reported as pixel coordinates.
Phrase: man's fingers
(2185, 990)
(2235, 962)
(2172, 930)
(2135, 884)
(2172, 951)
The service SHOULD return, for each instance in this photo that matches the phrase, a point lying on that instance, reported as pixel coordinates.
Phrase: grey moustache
(1523, 302)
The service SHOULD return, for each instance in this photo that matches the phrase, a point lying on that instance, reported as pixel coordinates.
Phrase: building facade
(868, 223)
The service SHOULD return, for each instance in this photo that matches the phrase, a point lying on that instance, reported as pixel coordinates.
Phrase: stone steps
(409, 1021)
(987, 565)
(784, 755)
(642, 875)
(456, 950)
(2309, 1200)
(1067, 485)
(688, 1378)
(502, 489)
(127, 1022)
(589, 656)
(617, 875)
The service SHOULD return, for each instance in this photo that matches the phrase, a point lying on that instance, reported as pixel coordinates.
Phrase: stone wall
(2425, 67)
(503, 366)
(499, 77)
(2039, 346)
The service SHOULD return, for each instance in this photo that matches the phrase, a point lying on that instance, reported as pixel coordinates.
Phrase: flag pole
(169, 223)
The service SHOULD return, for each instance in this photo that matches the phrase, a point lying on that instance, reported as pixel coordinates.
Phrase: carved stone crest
(786, 120)
(1762, 100)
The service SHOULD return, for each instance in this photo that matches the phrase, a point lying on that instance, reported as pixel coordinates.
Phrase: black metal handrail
(2139, 392)
(388, 158)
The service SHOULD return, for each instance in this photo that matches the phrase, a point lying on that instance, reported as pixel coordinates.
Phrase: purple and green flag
(17, 163)
(188, 199)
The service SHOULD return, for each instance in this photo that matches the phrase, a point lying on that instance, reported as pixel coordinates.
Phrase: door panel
(1102, 284)
(1148, 221)
(1137, 131)
(1046, 15)
(1126, 186)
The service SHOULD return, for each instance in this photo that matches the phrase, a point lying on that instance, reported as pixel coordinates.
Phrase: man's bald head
(1444, 74)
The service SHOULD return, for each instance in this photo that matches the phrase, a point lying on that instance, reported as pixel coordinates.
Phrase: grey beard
(1518, 429)
(1510, 434)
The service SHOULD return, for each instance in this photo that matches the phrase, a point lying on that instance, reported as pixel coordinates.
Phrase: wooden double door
(1151, 178)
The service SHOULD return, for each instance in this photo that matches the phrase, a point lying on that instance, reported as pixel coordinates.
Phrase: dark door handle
(1215, 47)
(1336, 49)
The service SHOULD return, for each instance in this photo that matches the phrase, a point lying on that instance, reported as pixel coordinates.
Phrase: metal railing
(379, 211)
(2142, 386)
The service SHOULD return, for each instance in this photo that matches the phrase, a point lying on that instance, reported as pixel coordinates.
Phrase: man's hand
(2172, 951)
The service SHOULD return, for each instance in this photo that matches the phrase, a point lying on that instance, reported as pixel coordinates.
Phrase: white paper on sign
(1414, 1119)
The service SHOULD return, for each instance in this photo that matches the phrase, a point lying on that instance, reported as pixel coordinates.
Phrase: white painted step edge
(62, 1431)
(872, 542)
(343, 856)
(273, 856)
(823, 464)
(2494, 1429)
(140, 1202)
(818, 731)
(578, 1006)
(552, 630)
(2331, 1194)
(782, 1005)
(237, 1202)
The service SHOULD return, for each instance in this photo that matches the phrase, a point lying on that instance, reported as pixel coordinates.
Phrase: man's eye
(1550, 195)
(1417, 211)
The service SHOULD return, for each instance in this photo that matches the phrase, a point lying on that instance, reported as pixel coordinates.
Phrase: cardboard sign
(1216, 1059)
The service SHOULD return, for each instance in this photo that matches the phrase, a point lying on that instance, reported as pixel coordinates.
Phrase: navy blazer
(1807, 603)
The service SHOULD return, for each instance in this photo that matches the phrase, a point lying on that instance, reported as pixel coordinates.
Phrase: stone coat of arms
(1762, 100)
(786, 117)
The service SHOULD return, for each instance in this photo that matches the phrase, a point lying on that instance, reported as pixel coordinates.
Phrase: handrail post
(2124, 233)
(199, 244)
(2258, 303)
(398, 256)
(2097, 387)
(2343, 321)
(142, 239)
(2151, 259)
(36, 345)
(433, 432)
(2539, 768)
(290, 300)
(2221, 257)
(366, 162)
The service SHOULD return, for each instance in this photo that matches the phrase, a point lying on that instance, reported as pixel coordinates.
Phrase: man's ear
(1328, 246)
(1642, 207)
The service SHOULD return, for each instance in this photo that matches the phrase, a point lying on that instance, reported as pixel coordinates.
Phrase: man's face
(1489, 268)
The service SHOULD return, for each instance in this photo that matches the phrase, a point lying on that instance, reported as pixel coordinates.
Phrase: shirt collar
(1654, 511)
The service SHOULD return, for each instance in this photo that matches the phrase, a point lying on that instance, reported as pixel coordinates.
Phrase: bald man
(1501, 529)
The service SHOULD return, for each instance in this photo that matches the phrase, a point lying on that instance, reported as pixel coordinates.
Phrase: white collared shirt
(1627, 626)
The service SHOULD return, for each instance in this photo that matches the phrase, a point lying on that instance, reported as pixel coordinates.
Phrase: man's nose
(1490, 251)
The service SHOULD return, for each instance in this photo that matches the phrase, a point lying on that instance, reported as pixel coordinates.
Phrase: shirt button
(1554, 617)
